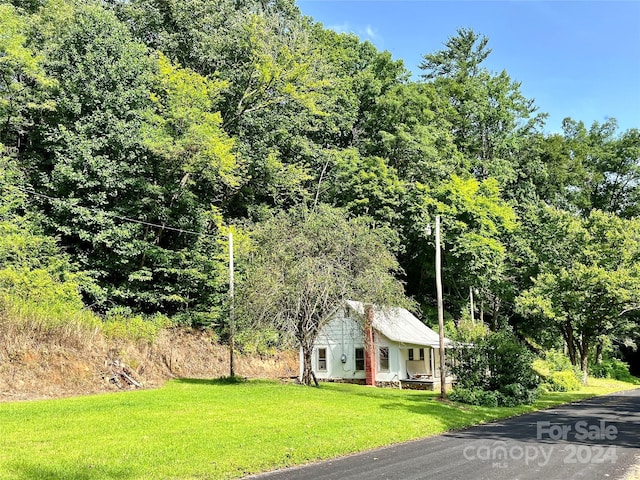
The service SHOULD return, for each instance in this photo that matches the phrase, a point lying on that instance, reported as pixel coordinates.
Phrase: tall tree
(609, 167)
(490, 117)
(366, 186)
(475, 223)
(306, 263)
(133, 160)
(25, 89)
(406, 126)
(276, 85)
(590, 285)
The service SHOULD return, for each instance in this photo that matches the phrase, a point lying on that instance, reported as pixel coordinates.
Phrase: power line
(119, 217)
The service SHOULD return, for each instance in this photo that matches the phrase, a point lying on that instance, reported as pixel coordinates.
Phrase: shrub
(495, 371)
(510, 363)
(558, 373)
(559, 362)
(36, 299)
(564, 381)
(515, 394)
(468, 331)
(120, 326)
(263, 341)
(542, 368)
(487, 398)
(612, 368)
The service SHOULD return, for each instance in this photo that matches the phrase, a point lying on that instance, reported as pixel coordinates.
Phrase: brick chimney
(369, 347)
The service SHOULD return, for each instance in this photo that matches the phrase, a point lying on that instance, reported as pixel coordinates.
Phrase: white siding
(395, 359)
(343, 334)
(340, 336)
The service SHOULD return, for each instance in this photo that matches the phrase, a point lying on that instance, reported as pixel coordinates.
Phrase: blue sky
(575, 58)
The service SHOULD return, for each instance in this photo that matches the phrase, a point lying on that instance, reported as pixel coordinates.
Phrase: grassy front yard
(208, 429)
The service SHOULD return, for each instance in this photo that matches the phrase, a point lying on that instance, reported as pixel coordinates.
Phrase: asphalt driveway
(597, 438)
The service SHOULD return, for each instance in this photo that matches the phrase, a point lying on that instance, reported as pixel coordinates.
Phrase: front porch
(424, 374)
(425, 383)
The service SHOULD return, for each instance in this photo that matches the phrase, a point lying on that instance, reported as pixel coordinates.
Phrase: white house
(397, 350)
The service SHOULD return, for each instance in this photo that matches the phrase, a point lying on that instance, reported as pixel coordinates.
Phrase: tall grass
(37, 306)
(34, 305)
(134, 327)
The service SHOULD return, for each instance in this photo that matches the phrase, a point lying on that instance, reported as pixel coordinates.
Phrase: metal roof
(400, 325)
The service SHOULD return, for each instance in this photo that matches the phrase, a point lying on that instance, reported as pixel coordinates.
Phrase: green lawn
(208, 429)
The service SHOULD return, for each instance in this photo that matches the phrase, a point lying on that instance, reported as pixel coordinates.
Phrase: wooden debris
(120, 375)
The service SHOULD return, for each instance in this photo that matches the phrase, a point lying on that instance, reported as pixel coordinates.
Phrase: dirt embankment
(36, 366)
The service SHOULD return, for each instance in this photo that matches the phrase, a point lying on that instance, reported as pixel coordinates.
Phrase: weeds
(136, 328)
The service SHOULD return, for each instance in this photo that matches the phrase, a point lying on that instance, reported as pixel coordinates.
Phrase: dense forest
(136, 134)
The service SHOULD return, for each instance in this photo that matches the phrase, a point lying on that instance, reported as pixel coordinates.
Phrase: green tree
(366, 186)
(406, 127)
(496, 370)
(305, 263)
(39, 284)
(276, 85)
(184, 128)
(135, 164)
(607, 166)
(475, 223)
(491, 120)
(589, 283)
(24, 85)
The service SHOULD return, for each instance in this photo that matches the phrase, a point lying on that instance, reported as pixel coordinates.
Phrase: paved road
(593, 439)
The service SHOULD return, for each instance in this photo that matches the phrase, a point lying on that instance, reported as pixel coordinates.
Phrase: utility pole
(443, 379)
(232, 320)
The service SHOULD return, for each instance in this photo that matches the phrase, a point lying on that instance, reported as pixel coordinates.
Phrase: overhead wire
(119, 217)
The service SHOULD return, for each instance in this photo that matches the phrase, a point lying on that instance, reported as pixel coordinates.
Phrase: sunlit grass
(213, 429)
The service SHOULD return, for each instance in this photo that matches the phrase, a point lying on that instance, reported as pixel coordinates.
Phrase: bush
(612, 368)
(510, 363)
(40, 300)
(558, 373)
(40, 289)
(261, 341)
(564, 381)
(120, 326)
(542, 368)
(495, 371)
(515, 394)
(510, 396)
(559, 362)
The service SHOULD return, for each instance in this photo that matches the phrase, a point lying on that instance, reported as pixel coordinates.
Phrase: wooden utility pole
(443, 378)
(232, 320)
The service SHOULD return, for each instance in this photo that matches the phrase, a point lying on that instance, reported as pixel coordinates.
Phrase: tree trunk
(471, 309)
(567, 333)
(307, 372)
(584, 360)
(494, 313)
(599, 347)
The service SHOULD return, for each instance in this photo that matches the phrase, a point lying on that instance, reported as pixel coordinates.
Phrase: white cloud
(342, 28)
(371, 33)
(364, 32)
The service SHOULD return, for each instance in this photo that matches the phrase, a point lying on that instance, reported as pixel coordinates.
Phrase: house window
(410, 353)
(422, 354)
(322, 359)
(359, 358)
(384, 359)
